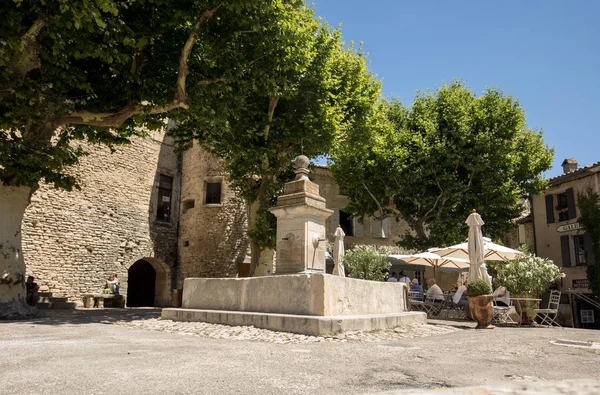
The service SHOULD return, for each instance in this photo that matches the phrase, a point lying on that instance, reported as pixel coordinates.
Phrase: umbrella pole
(435, 273)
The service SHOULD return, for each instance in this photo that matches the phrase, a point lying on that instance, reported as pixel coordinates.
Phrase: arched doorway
(141, 284)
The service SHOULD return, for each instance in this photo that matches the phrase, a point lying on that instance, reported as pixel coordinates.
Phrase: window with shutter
(571, 211)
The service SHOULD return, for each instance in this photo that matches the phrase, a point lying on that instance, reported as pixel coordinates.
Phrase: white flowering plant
(527, 273)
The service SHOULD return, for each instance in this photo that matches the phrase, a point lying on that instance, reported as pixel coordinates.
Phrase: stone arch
(138, 286)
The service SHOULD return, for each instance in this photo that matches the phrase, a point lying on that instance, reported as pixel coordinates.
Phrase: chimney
(569, 165)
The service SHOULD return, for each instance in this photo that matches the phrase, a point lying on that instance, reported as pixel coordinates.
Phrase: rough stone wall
(511, 239)
(212, 237)
(72, 241)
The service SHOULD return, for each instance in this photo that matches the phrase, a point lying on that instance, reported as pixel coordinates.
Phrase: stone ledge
(302, 324)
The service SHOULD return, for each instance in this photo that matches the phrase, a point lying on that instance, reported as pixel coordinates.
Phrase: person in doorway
(403, 278)
(501, 294)
(32, 291)
(393, 278)
(434, 292)
(112, 284)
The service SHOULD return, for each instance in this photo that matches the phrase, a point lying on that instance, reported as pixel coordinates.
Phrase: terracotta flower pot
(526, 308)
(482, 310)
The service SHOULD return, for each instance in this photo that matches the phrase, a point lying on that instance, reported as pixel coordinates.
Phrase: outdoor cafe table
(519, 301)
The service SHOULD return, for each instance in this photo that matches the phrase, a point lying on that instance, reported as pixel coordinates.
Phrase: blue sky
(545, 53)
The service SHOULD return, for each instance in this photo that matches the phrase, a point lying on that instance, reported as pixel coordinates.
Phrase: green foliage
(479, 287)
(97, 70)
(431, 163)
(527, 273)
(366, 262)
(306, 87)
(589, 207)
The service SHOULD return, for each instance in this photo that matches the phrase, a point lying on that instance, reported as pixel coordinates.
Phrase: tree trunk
(254, 249)
(13, 202)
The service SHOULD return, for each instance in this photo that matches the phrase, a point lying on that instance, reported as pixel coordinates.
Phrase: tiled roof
(573, 173)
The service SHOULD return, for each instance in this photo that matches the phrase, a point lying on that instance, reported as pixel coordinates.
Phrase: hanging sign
(569, 227)
(583, 283)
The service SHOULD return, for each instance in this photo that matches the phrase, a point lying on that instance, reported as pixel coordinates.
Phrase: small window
(213, 193)
(346, 223)
(188, 204)
(165, 189)
(186, 243)
(587, 316)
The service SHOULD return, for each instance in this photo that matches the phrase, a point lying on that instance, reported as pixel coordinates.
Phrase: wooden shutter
(334, 221)
(375, 228)
(565, 251)
(571, 203)
(590, 256)
(550, 209)
(359, 229)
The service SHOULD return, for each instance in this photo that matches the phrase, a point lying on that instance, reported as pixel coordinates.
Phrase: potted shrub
(527, 276)
(479, 293)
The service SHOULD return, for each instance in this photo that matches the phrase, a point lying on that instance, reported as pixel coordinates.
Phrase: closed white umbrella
(476, 248)
(338, 253)
(434, 260)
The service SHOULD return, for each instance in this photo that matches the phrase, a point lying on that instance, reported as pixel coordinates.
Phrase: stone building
(155, 217)
(124, 220)
(560, 237)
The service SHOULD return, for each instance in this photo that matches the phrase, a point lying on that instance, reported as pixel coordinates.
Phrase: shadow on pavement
(90, 316)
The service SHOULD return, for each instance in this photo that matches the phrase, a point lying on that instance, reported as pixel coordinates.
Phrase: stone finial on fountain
(301, 165)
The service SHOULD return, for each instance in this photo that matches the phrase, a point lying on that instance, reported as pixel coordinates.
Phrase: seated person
(460, 299)
(416, 287)
(402, 278)
(434, 292)
(501, 294)
(393, 278)
(32, 291)
(112, 284)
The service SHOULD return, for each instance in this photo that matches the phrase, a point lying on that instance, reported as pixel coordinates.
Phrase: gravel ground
(131, 351)
(216, 331)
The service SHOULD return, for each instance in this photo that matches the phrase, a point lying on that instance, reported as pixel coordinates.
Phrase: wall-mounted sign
(583, 283)
(166, 199)
(569, 227)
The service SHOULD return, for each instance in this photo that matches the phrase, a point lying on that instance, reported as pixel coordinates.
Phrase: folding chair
(548, 316)
(502, 315)
(433, 307)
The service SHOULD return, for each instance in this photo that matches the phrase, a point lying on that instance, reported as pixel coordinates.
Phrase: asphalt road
(88, 354)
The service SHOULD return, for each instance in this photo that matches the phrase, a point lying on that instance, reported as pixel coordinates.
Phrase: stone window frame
(158, 175)
(213, 180)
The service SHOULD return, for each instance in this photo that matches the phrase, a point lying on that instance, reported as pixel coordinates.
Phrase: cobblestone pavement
(216, 331)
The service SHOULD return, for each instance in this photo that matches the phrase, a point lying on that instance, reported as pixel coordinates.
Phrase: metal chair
(548, 316)
(502, 315)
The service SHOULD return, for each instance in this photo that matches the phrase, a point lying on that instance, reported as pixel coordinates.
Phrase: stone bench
(101, 300)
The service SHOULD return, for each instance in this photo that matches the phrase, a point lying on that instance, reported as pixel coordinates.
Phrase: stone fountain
(300, 297)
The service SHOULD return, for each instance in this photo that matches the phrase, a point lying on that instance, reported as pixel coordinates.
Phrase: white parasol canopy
(338, 253)
(492, 251)
(476, 248)
(434, 260)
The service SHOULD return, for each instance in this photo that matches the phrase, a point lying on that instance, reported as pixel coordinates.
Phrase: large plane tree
(102, 71)
(432, 162)
(315, 87)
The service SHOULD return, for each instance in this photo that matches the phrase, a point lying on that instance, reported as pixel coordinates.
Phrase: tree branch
(27, 58)
(180, 100)
(212, 81)
(273, 100)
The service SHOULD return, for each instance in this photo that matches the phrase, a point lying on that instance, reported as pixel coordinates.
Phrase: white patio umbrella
(492, 251)
(476, 248)
(338, 253)
(434, 260)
